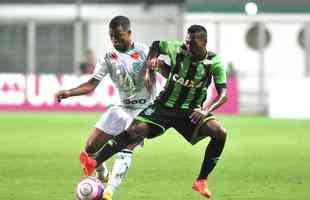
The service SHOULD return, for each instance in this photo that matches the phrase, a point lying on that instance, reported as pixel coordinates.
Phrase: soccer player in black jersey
(180, 104)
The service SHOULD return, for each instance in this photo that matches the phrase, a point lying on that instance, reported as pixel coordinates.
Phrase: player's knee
(221, 134)
(137, 133)
(134, 137)
(90, 147)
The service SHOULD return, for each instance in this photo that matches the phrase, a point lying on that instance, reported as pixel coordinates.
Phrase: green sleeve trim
(218, 70)
(143, 119)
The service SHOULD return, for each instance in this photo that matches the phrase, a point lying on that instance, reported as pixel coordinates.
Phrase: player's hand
(152, 63)
(149, 79)
(197, 116)
(62, 94)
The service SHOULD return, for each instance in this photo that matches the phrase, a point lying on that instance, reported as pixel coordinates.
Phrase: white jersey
(125, 70)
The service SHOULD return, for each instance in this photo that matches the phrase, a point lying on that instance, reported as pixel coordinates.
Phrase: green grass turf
(264, 160)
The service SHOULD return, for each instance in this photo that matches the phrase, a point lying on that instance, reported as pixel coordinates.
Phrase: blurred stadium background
(265, 45)
(41, 37)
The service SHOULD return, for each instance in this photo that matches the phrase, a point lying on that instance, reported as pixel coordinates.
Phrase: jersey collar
(129, 49)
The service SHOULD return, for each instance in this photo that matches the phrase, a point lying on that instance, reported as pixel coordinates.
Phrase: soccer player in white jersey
(125, 68)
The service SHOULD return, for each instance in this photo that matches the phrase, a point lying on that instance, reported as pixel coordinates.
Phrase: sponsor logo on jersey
(186, 82)
(135, 55)
(114, 56)
(135, 101)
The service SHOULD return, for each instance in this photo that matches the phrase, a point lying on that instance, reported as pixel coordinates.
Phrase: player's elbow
(224, 98)
(155, 44)
(92, 88)
(154, 50)
(87, 89)
(91, 85)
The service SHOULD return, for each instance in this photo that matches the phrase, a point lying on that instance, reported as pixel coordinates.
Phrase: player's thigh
(145, 129)
(194, 133)
(114, 121)
(96, 140)
(185, 127)
(133, 145)
(212, 128)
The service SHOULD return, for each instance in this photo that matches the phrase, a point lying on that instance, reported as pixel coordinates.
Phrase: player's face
(120, 38)
(195, 43)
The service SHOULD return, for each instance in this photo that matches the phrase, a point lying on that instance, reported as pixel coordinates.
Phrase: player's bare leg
(213, 151)
(94, 143)
(133, 135)
(102, 173)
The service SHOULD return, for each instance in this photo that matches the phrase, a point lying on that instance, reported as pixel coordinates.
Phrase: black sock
(113, 146)
(212, 154)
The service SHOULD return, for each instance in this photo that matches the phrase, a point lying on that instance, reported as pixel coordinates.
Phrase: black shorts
(165, 118)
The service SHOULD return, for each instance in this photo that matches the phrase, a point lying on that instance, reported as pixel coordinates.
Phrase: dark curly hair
(122, 21)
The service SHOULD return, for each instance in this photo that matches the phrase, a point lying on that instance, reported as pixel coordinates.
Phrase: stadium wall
(19, 92)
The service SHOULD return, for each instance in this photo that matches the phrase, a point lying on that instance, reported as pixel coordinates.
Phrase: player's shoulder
(140, 45)
(142, 49)
(211, 58)
(174, 42)
(171, 44)
(100, 59)
(106, 58)
(110, 55)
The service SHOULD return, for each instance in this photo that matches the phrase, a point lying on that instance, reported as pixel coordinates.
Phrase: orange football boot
(88, 164)
(201, 186)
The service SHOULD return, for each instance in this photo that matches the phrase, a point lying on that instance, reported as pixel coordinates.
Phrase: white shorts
(115, 120)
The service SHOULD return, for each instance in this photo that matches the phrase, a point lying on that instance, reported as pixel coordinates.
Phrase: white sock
(102, 171)
(119, 170)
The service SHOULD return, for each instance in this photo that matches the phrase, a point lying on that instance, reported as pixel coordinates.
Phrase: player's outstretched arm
(219, 100)
(151, 64)
(152, 58)
(198, 115)
(163, 68)
(82, 89)
(219, 77)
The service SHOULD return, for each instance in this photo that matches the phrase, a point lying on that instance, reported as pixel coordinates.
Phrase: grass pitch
(264, 159)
